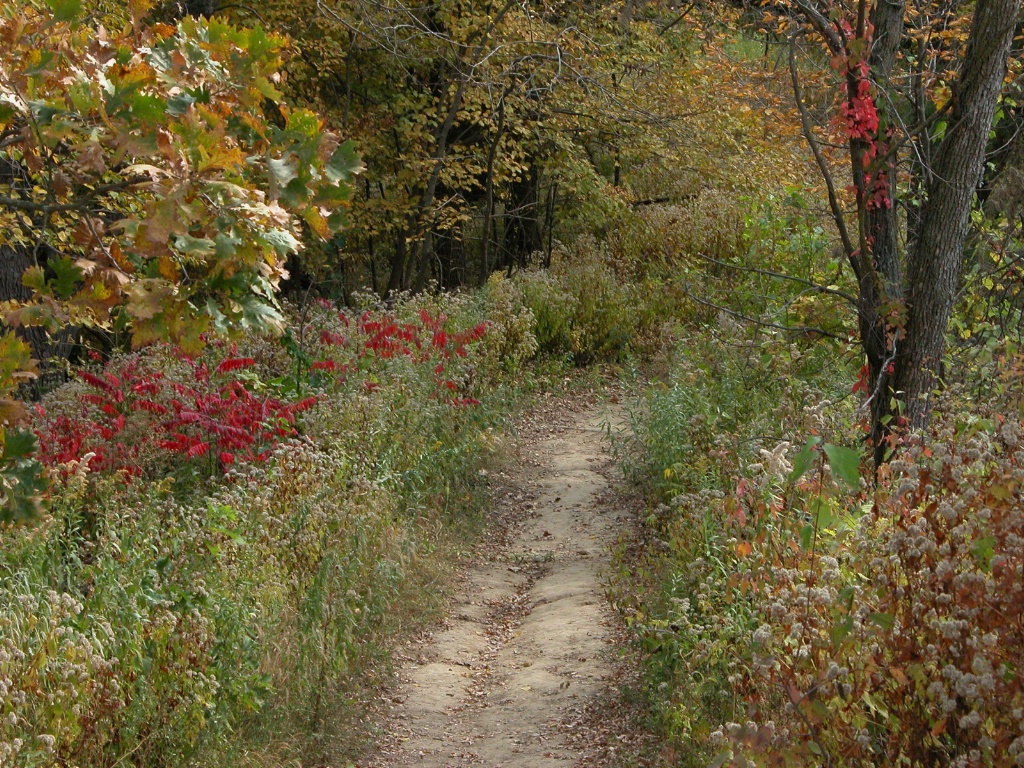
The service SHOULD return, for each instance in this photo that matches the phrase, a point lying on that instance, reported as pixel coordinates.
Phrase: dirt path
(526, 647)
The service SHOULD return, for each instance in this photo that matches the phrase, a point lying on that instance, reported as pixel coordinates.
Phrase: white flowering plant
(896, 637)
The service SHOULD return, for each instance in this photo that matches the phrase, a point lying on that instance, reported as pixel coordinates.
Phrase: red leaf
(234, 363)
(199, 449)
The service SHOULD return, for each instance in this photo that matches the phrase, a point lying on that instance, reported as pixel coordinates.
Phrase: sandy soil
(525, 651)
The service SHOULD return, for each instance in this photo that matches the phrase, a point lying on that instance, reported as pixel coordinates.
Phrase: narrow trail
(504, 681)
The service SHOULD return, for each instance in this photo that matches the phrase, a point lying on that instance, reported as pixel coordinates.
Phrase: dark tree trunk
(903, 314)
(523, 236)
(881, 281)
(396, 278)
(934, 268)
(426, 261)
(485, 251)
(51, 352)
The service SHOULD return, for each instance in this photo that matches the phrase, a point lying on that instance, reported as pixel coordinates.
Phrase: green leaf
(875, 705)
(259, 44)
(824, 516)
(345, 163)
(220, 321)
(194, 246)
(336, 220)
(806, 536)
(22, 479)
(304, 124)
(227, 244)
(179, 104)
(803, 460)
(281, 240)
(36, 315)
(842, 629)
(884, 620)
(259, 315)
(65, 10)
(265, 87)
(983, 551)
(46, 58)
(18, 444)
(43, 112)
(845, 464)
(846, 596)
(66, 276)
(34, 279)
(283, 170)
(148, 109)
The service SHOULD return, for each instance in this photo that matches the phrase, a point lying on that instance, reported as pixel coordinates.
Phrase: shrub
(138, 412)
(580, 306)
(173, 622)
(797, 618)
(553, 309)
(727, 403)
(897, 639)
(662, 240)
(120, 636)
(514, 329)
(725, 399)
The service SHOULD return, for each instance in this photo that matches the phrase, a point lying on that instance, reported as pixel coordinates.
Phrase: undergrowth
(234, 539)
(788, 611)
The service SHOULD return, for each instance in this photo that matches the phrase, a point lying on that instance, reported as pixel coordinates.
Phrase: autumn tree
(485, 124)
(152, 180)
(919, 83)
(449, 100)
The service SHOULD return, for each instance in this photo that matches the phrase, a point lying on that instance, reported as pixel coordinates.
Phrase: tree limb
(84, 205)
(679, 18)
(768, 273)
(825, 28)
(805, 124)
(804, 329)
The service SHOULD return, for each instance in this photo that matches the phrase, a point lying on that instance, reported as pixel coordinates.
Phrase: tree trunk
(485, 251)
(523, 235)
(903, 317)
(51, 352)
(396, 278)
(934, 267)
(881, 288)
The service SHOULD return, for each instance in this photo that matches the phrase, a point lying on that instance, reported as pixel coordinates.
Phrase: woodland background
(274, 278)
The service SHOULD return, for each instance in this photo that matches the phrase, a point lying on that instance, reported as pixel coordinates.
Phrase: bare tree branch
(83, 205)
(808, 130)
(768, 273)
(804, 329)
(825, 28)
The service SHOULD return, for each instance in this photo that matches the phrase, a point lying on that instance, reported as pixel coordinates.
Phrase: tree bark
(492, 151)
(51, 352)
(934, 268)
(903, 314)
(396, 277)
(881, 282)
